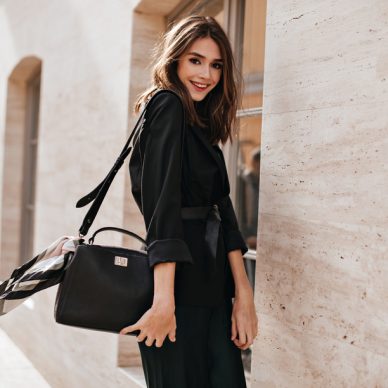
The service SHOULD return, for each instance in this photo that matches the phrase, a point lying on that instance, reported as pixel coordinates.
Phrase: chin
(198, 97)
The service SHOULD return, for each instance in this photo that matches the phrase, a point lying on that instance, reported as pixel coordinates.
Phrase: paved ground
(16, 371)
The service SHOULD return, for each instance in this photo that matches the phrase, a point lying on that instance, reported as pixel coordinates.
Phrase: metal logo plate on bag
(121, 261)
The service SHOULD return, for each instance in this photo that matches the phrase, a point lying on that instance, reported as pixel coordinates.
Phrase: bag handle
(113, 228)
(97, 195)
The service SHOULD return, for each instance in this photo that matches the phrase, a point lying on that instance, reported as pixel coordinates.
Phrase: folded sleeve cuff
(234, 240)
(168, 250)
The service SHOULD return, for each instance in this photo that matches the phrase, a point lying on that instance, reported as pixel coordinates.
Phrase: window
(248, 152)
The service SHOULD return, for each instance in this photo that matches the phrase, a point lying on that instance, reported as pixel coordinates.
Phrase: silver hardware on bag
(121, 261)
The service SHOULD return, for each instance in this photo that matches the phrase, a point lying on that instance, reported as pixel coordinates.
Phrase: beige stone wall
(85, 52)
(322, 275)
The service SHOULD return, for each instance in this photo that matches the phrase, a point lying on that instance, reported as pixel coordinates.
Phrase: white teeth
(203, 86)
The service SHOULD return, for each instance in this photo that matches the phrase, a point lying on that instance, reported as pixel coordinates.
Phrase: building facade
(307, 173)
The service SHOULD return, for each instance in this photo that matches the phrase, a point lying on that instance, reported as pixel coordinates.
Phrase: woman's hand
(156, 323)
(244, 319)
(159, 321)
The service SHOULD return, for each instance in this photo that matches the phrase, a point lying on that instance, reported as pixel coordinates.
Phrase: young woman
(193, 334)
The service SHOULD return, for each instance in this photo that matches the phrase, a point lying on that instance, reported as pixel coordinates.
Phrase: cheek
(184, 70)
(217, 76)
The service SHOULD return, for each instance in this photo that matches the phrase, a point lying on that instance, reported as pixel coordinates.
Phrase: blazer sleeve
(232, 235)
(161, 181)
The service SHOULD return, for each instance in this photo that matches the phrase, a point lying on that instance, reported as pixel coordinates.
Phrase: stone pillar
(322, 273)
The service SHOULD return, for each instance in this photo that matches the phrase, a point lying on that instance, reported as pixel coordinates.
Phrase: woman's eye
(194, 60)
(217, 66)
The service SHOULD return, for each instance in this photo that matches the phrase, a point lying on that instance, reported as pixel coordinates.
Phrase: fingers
(153, 326)
(245, 327)
(171, 335)
(150, 338)
(234, 329)
(249, 340)
(241, 346)
(159, 342)
(130, 328)
(242, 337)
(245, 338)
(150, 341)
(141, 336)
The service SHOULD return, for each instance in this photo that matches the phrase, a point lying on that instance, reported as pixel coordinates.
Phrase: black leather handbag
(105, 287)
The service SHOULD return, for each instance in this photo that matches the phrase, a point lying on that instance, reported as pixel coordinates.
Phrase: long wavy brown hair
(217, 111)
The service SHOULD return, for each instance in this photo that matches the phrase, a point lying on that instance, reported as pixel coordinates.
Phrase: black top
(173, 165)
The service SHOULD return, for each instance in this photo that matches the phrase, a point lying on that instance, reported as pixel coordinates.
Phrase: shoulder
(164, 102)
(164, 113)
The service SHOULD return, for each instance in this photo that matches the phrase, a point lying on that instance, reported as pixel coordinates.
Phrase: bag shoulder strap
(97, 195)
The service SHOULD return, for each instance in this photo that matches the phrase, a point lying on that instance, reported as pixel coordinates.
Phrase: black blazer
(173, 165)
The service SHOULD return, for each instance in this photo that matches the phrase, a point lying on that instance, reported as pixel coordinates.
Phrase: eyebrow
(202, 56)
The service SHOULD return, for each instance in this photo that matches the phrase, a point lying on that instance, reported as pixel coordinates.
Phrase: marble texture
(322, 273)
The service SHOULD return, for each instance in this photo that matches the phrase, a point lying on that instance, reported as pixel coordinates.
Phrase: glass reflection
(248, 178)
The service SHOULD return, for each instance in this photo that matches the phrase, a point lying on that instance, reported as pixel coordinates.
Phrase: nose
(205, 72)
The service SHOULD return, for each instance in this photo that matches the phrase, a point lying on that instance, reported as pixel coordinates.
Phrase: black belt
(213, 221)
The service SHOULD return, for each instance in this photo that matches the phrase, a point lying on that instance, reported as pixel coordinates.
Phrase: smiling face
(200, 67)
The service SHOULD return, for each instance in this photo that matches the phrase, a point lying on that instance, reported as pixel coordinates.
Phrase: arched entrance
(19, 164)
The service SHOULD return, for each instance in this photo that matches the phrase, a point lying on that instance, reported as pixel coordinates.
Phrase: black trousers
(203, 355)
